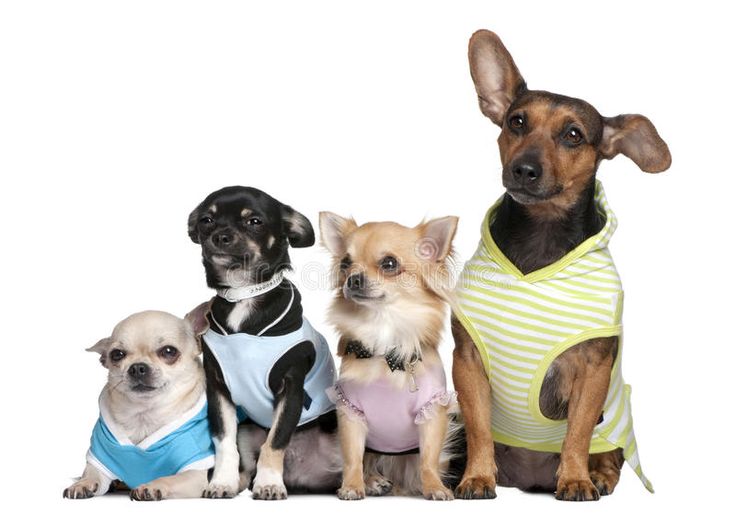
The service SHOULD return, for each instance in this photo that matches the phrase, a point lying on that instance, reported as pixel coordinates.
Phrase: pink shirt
(392, 414)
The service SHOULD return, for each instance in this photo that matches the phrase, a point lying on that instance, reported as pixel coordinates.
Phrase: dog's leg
(92, 483)
(269, 481)
(605, 470)
(474, 396)
(188, 484)
(431, 438)
(224, 424)
(286, 380)
(588, 390)
(352, 433)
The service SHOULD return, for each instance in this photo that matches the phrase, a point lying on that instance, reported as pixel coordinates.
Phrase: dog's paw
(604, 482)
(576, 490)
(148, 493)
(376, 485)
(81, 490)
(350, 493)
(437, 493)
(218, 491)
(269, 492)
(476, 488)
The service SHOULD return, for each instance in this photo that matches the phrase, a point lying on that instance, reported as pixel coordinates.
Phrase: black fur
(254, 251)
(531, 243)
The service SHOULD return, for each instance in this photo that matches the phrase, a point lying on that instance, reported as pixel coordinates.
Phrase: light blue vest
(246, 362)
(184, 444)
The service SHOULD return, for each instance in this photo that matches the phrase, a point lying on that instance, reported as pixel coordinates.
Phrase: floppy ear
(298, 228)
(495, 75)
(635, 137)
(102, 347)
(197, 318)
(333, 229)
(193, 220)
(436, 242)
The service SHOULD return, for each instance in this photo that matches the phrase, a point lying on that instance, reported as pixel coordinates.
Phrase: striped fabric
(521, 323)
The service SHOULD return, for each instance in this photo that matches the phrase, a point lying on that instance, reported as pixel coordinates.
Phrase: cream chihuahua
(152, 434)
(392, 284)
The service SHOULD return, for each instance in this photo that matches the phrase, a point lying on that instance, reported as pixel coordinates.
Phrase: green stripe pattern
(521, 323)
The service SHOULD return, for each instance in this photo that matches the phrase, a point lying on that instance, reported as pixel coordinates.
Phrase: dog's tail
(454, 452)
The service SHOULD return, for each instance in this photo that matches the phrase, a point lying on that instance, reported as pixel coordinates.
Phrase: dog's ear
(495, 75)
(333, 230)
(298, 228)
(635, 137)
(193, 220)
(103, 347)
(435, 243)
(197, 318)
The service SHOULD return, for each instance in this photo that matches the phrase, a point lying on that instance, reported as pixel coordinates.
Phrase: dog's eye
(389, 264)
(516, 122)
(117, 355)
(345, 263)
(254, 221)
(573, 136)
(205, 220)
(168, 352)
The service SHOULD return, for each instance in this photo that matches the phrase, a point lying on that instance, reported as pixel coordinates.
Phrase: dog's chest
(240, 312)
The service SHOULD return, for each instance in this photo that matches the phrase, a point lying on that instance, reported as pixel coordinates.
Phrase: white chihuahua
(152, 434)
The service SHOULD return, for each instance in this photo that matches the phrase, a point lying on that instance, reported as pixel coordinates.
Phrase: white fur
(241, 312)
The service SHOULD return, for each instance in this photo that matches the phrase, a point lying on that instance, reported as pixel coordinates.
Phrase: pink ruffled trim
(429, 409)
(336, 395)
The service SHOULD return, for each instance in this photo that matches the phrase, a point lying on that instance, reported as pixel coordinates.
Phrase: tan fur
(570, 168)
(585, 373)
(406, 309)
(474, 396)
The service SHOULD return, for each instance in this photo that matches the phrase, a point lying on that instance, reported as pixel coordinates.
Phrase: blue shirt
(246, 362)
(184, 444)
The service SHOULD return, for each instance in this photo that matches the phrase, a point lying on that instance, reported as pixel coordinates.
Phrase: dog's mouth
(525, 197)
(144, 388)
(362, 297)
(239, 260)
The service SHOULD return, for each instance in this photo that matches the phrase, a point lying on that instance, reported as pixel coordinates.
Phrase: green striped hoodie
(521, 323)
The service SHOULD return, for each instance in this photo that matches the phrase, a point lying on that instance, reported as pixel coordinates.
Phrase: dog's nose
(526, 170)
(356, 282)
(222, 239)
(138, 370)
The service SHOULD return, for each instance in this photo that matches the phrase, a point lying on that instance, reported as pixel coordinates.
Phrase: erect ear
(193, 220)
(197, 318)
(333, 230)
(102, 346)
(635, 137)
(495, 75)
(298, 228)
(436, 242)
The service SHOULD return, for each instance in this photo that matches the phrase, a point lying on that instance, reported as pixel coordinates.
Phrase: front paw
(148, 493)
(437, 493)
(576, 490)
(220, 491)
(269, 492)
(476, 488)
(81, 490)
(351, 493)
(605, 482)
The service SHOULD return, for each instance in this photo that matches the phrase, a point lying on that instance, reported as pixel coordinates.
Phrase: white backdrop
(116, 119)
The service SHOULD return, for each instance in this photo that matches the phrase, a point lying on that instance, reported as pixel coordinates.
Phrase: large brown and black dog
(550, 148)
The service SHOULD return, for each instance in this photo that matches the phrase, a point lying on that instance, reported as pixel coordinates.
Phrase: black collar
(393, 359)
